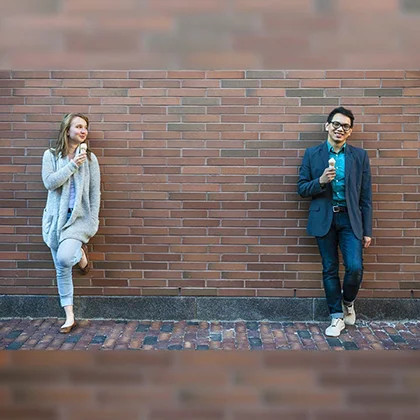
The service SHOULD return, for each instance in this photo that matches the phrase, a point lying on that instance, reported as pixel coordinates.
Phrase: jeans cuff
(337, 315)
(66, 301)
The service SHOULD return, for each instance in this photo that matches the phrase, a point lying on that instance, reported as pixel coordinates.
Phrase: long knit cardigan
(84, 220)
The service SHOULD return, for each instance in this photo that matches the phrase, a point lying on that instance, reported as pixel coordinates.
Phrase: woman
(70, 173)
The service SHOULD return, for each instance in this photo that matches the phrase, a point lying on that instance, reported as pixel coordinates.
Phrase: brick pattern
(208, 385)
(42, 334)
(199, 172)
(210, 34)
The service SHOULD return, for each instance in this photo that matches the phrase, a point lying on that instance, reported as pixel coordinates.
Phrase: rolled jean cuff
(66, 301)
(337, 315)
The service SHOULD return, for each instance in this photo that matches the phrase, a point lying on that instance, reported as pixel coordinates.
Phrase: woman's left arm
(94, 186)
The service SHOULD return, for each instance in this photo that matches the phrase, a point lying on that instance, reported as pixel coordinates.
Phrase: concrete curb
(202, 308)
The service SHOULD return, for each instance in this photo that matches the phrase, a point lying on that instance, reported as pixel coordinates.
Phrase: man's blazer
(358, 190)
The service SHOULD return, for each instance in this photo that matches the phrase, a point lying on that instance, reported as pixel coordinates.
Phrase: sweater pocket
(47, 219)
(94, 225)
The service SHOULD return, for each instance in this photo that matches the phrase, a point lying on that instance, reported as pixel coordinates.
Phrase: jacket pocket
(47, 219)
(94, 225)
(314, 207)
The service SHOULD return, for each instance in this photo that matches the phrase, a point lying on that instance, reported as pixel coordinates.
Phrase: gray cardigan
(84, 220)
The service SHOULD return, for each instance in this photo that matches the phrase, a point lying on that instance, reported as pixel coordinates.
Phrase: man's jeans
(340, 234)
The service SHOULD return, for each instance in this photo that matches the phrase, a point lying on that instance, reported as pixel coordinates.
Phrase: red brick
(185, 74)
(345, 74)
(358, 83)
(324, 83)
(106, 74)
(230, 185)
(226, 92)
(206, 83)
(280, 83)
(400, 83)
(305, 74)
(146, 92)
(384, 74)
(186, 92)
(161, 83)
(147, 74)
(70, 92)
(32, 92)
(265, 92)
(239, 101)
(30, 74)
(69, 74)
(225, 74)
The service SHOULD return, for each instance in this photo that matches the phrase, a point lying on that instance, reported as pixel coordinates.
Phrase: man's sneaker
(349, 314)
(334, 330)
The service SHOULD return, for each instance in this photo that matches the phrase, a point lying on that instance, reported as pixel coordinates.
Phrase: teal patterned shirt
(339, 183)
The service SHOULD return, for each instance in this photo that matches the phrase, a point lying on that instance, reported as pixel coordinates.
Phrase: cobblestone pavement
(42, 334)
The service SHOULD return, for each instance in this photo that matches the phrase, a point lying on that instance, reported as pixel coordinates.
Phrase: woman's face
(78, 131)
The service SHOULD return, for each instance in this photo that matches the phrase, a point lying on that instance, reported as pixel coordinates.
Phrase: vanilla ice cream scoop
(83, 147)
(331, 162)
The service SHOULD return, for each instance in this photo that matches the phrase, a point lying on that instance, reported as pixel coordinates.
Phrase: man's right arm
(308, 187)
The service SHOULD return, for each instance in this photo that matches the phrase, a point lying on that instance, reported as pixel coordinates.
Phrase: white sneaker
(334, 330)
(349, 314)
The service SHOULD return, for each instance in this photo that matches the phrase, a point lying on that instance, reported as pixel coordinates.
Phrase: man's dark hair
(341, 110)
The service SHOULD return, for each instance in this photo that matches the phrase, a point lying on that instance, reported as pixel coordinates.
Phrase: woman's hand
(79, 159)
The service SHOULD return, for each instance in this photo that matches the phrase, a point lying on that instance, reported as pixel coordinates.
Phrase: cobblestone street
(27, 334)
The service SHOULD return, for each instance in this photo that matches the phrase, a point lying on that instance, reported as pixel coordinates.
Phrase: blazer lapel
(324, 155)
(349, 163)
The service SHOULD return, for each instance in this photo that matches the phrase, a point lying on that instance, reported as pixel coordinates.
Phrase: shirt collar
(331, 149)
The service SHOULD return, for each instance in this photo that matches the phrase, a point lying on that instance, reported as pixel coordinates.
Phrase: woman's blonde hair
(62, 144)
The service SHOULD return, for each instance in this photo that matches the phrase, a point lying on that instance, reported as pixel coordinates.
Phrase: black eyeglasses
(337, 125)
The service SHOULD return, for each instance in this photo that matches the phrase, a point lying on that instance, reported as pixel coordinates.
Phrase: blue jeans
(65, 257)
(68, 254)
(340, 235)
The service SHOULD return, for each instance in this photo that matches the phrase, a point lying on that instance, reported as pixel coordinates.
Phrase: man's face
(339, 129)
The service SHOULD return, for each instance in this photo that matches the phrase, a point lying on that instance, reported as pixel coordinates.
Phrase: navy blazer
(358, 190)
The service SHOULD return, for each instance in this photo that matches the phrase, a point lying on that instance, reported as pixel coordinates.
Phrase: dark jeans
(340, 234)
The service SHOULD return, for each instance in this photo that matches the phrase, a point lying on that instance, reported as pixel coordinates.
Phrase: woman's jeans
(340, 234)
(65, 257)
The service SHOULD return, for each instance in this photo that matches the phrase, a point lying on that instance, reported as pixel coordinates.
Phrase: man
(340, 213)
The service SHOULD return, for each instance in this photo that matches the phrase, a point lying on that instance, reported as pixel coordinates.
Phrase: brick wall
(199, 172)
(209, 386)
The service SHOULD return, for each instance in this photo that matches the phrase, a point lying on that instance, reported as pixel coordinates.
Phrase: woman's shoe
(86, 268)
(66, 330)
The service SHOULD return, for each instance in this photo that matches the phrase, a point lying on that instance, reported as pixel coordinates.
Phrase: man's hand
(366, 241)
(327, 176)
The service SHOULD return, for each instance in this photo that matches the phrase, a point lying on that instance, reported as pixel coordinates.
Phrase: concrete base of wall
(202, 308)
